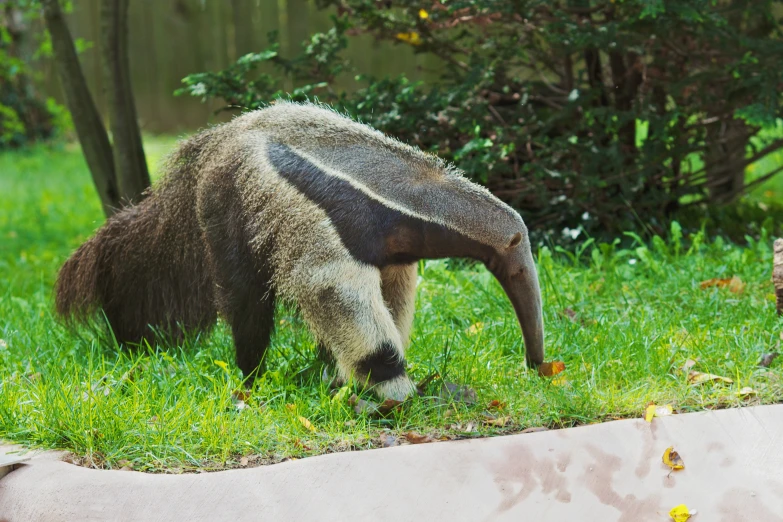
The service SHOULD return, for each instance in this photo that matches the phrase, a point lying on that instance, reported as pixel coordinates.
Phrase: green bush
(25, 115)
(586, 114)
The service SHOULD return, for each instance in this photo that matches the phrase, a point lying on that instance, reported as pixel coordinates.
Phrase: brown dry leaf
(535, 429)
(306, 423)
(548, 369)
(568, 312)
(387, 406)
(672, 459)
(734, 284)
(695, 378)
(495, 404)
(415, 438)
(496, 421)
(243, 462)
(767, 359)
(241, 395)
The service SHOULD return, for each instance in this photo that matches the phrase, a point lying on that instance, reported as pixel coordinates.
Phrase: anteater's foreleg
(346, 310)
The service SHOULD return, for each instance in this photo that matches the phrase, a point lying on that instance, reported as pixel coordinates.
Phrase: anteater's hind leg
(244, 298)
(346, 310)
(243, 292)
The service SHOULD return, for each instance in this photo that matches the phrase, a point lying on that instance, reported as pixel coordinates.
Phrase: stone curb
(603, 472)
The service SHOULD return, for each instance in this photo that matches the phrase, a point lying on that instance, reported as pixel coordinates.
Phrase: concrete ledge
(604, 472)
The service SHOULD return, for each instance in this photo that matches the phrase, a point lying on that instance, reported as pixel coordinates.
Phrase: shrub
(581, 113)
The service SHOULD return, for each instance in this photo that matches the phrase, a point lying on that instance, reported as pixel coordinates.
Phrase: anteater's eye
(515, 240)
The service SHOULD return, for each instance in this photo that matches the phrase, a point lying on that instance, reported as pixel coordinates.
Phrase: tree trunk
(130, 163)
(724, 159)
(86, 120)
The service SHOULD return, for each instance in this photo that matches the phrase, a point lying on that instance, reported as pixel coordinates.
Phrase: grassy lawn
(623, 321)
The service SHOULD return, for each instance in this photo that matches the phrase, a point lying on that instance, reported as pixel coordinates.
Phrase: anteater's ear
(517, 239)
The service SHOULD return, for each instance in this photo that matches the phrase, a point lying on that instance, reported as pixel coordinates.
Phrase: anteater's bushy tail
(146, 267)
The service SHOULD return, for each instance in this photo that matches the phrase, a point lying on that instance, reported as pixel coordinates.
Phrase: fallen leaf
(680, 513)
(243, 462)
(747, 391)
(495, 404)
(387, 406)
(672, 459)
(734, 284)
(495, 421)
(362, 406)
(690, 363)
(415, 438)
(458, 393)
(653, 410)
(475, 328)
(568, 312)
(767, 359)
(290, 407)
(559, 381)
(306, 423)
(695, 378)
(548, 369)
(534, 429)
(241, 395)
(222, 364)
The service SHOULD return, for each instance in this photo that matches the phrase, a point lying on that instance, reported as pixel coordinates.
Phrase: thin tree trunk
(727, 144)
(89, 126)
(130, 163)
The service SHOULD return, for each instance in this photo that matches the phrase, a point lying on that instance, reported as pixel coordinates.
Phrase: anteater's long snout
(522, 288)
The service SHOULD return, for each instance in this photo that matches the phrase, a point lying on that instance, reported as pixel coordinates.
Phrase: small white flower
(573, 95)
(585, 216)
(632, 261)
(199, 89)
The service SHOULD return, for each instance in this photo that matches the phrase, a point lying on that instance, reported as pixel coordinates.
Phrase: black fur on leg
(382, 365)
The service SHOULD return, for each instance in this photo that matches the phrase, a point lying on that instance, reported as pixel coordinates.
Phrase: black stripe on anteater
(382, 365)
(372, 232)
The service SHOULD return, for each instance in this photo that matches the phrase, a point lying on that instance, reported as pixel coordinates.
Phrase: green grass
(640, 314)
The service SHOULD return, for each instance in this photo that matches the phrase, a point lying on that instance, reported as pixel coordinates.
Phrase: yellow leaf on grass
(222, 364)
(747, 391)
(549, 369)
(680, 513)
(672, 459)
(306, 423)
(559, 381)
(652, 410)
(695, 377)
(475, 328)
(423, 14)
(411, 38)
